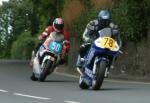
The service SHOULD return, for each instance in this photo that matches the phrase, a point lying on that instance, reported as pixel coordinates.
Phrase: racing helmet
(58, 24)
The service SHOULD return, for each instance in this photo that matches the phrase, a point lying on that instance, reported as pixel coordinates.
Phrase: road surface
(16, 87)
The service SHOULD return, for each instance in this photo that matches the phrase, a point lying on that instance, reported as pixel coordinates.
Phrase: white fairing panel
(117, 47)
(44, 59)
(36, 67)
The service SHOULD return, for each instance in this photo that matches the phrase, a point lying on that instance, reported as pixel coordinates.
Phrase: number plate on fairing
(105, 42)
(56, 47)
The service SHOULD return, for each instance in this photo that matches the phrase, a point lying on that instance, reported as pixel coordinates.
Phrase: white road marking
(4, 91)
(71, 102)
(30, 96)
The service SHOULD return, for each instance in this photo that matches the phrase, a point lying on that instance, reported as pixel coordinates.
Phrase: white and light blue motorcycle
(47, 57)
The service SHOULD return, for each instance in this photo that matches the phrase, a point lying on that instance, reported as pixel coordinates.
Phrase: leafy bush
(23, 46)
(132, 16)
(79, 25)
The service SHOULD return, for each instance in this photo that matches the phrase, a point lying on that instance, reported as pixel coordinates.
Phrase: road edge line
(106, 79)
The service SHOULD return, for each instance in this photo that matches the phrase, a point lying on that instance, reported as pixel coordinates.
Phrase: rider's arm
(116, 33)
(66, 41)
(46, 32)
(89, 31)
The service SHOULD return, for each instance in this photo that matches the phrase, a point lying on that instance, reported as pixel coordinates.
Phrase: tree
(48, 8)
(5, 29)
(14, 21)
(132, 17)
(18, 16)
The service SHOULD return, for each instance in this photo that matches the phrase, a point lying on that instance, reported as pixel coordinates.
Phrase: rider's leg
(34, 53)
(81, 55)
(37, 47)
(82, 51)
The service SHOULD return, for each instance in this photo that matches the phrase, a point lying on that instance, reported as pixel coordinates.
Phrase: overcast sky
(1, 1)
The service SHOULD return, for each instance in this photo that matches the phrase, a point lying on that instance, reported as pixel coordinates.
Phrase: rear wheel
(45, 70)
(99, 75)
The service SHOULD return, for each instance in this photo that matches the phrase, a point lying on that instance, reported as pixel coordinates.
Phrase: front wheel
(33, 78)
(45, 70)
(99, 75)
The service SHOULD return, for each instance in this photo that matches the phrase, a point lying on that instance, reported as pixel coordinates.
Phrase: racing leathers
(47, 32)
(90, 34)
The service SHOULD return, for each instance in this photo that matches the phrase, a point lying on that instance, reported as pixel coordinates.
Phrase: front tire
(99, 75)
(45, 71)
(33, 78)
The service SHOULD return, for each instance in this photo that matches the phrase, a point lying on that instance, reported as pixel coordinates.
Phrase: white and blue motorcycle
(97, 60)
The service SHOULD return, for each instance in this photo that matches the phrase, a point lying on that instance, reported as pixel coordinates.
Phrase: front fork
(98, 60)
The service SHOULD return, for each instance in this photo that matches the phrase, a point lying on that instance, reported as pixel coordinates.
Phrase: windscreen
(57, 36)
(105, 32)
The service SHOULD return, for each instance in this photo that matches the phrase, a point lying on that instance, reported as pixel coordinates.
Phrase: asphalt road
(16, 87)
